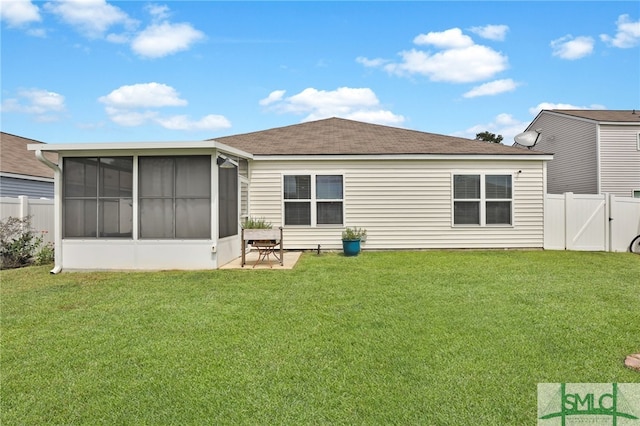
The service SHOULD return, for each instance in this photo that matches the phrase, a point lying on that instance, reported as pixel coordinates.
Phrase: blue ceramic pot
(351, 247)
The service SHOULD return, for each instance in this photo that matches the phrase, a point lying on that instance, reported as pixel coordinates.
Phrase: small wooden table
(267, 241)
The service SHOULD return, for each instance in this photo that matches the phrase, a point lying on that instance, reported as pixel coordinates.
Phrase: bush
(256, 223)
(45, 255)
(351, 234)
(18, 242)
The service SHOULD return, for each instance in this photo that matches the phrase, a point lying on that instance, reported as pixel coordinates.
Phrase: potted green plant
(351, 238)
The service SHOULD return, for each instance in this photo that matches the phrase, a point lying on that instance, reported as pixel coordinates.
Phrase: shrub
(256, 223)
(18, 242)
(45, 255)
(354, 234)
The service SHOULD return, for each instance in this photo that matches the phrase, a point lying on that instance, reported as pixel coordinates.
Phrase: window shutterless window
(313, 200)
(227, 202)
(175, 197)
(97, 197)
(482, 199)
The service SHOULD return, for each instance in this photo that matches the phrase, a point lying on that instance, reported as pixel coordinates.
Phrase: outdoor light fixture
(225, 163)
(528, 139)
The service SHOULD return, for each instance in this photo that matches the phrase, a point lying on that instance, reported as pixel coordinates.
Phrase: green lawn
(432, 337)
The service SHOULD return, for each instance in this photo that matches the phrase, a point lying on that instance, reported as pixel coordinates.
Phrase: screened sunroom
(148, 205)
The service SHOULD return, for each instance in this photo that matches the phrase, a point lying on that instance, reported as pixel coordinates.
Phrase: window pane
(329, 213)
(227, 202)
(498, 186)
(193, 176)
(116, 218)
(156, 218)
(297, 187)
(80, 218)
(466, 186)
(156, 177)
(329, 187)
(80, 177)
(499, 212)
(193, 218)
(466, 213)
(116, 177)
(297, 213)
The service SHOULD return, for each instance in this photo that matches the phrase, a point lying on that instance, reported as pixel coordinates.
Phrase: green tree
(488, 137)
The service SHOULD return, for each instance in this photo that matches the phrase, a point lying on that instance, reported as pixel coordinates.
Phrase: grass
(382, 338)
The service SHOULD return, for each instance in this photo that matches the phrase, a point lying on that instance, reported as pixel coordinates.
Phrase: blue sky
(99, 71)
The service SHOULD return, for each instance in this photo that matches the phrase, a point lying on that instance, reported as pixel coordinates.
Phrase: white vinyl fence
(590, 222)
(40, 210)
(571, 221)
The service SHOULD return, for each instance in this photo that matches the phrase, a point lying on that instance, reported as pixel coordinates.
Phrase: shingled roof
(338, 136)
(14, 157)
(615, 116)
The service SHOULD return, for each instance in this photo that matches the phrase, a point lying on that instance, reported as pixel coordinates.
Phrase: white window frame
(638, 141)
(314, 200)
(483, 199)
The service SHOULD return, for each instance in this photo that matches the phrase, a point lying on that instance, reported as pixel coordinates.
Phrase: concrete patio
(290, 260)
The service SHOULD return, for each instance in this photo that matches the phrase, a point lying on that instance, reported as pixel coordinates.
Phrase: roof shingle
(14, 157)
(338, 136)
(616, 116)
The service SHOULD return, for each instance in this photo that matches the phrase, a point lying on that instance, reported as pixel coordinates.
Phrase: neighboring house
(20, 172)
(176, 205)
(594, 151)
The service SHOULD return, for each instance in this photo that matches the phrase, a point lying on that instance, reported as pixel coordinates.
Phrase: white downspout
(57, 200)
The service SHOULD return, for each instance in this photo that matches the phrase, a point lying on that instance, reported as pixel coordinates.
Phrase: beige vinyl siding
(573, 143)
(619, 159)
(404, 204)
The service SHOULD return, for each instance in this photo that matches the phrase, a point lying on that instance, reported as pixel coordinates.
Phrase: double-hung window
(313, 200)
(175, 197)
(97, 197)
(482, 199)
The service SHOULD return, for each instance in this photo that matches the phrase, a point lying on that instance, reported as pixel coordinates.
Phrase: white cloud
(352, 103)
(503, 124)
(143, 95)
(17, 13)
(182, 122)
(274, 96)
(373, 63)
(43, 104)
(158, 11)
(377, 117)
(549, 105)
(138, 104)
(449, 39)
(491, 32)
(460, 61)
(627, 36)
(163, 39)
(465, 65)
(90, 17)
(492, 88)
(571, 48)
(128, 117)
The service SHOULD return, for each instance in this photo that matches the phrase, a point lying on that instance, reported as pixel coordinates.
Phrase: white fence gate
(40, 210)
(590, 222)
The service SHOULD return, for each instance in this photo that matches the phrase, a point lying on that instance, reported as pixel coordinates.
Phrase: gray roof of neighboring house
(615, 116)
(338, 136)
(16, 159)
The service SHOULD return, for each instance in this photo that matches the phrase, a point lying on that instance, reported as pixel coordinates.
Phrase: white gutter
(56, 211)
